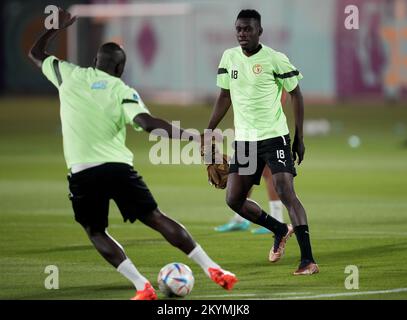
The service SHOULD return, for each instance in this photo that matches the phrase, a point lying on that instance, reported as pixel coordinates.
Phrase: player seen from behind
(96, 106)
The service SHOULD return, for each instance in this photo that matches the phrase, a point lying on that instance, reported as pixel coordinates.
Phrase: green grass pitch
(356, 201)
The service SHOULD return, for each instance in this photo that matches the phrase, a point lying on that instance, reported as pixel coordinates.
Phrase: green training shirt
(256, 85)
(95, 108)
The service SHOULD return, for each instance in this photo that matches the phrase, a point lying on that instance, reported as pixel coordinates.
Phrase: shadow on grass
(83, 293)
(72, 248)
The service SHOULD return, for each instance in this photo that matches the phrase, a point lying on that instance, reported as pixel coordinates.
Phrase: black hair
(111, 58)
(110, 46)
(249, 14)
(112, 50)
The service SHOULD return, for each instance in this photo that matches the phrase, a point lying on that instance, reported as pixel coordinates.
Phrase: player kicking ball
(96, 106)
(252, 78)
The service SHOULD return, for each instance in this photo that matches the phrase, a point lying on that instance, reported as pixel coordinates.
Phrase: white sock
(237, 218)
(127, 269)
(200, 257)
(276, 210)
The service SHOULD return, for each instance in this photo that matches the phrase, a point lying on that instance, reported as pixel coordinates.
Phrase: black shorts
(250, 157)
(92, 189)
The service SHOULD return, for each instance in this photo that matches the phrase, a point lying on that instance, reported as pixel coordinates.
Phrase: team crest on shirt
(257, 68)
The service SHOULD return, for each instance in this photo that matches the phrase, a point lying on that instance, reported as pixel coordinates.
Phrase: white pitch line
(349, 294)
(290, 293)
(249, 294)
(328, 295)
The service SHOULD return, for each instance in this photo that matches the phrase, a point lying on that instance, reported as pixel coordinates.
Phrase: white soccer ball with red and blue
(175, 280)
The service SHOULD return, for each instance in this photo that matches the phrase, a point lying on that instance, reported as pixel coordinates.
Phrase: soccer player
(252, 77)
(96, 106)
(238, 223)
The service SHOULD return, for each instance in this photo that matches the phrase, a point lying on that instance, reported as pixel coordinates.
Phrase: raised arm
(298, 105)
(222, 105)
(38, 52)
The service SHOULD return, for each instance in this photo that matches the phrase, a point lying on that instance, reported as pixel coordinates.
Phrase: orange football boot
(147, 294)
(223, 278)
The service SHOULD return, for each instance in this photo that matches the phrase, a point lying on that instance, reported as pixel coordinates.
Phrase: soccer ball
(175, 280)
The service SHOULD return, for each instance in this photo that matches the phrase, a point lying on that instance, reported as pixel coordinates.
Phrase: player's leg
(276, 153)
(90, 202)
(285, 188)
(179, 237)
(114, 253)
(108, 247)
(236, 223)
(171, 230)
(135, 201)
(236, 198)
(275, 204)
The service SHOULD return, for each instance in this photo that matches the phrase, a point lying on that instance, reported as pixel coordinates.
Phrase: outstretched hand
(65, 18)
(298, 149)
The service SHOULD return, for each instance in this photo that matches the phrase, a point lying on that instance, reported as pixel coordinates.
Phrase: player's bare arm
(222, 105)
(298, 105)
(150, 123)
(38, 52)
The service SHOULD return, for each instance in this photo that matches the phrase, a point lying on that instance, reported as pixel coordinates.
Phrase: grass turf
(356, 200)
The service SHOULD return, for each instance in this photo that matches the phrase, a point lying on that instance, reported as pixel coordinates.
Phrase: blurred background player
(96, 105)
(238, 223)
(251, 78)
